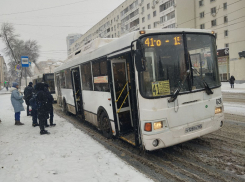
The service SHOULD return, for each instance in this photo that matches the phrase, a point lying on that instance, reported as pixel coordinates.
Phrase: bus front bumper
(178, 134)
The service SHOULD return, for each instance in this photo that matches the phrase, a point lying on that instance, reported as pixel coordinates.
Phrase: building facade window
(226, 33)
(167, 17)
(143, 9)
(201, 3)
(149, 26)
(224, 6)
(143, 28)
(154, 13)
(134, 23)
(166, 5)
(212, 0)
(143, 19)
(202, 26)
(149, 16)
(213, 23)
(170, 26)
(213, 10)
(225, 19)
(148, 6)
(202, 14)
(226, 45)
(155, 24)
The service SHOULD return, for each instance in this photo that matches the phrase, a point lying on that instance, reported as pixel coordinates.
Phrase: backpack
(33, 101)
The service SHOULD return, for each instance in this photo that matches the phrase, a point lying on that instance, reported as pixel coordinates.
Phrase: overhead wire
(41, 9)
(208, 13)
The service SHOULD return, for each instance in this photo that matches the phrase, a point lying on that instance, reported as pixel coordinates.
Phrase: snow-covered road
(67, 154)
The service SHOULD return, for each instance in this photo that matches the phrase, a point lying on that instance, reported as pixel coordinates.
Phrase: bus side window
(86, 76)
(100, 75)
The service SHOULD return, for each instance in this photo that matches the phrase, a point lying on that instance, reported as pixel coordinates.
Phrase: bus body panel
(92, 100)
(68, 95)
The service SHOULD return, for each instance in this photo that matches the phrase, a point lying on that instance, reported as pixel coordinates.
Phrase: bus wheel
(65, 108)
(105, 125)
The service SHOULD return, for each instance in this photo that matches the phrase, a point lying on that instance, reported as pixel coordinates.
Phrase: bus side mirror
(139, 61)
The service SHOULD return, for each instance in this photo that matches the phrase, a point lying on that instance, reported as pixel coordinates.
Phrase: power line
(230, 25)
(43, 8)
(49, 25)
(228, 14)
(207, 13)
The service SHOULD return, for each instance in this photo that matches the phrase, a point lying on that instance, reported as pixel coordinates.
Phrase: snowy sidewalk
(238, 88)
(4, 91)
(67, 154)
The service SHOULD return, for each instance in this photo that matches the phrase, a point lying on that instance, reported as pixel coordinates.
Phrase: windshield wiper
(207, 89)
(176, 92)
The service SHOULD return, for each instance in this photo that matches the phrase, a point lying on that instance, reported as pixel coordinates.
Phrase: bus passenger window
(100, 75)
(86, 76)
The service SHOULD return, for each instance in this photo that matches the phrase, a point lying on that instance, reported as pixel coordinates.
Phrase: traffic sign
(25, 61)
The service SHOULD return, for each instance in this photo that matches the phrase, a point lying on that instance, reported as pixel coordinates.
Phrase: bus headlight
(218, 110)
(158, 125)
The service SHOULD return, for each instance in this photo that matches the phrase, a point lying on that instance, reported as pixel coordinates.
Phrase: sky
(50, 21)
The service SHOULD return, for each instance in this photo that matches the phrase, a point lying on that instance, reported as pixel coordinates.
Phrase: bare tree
(15, 48)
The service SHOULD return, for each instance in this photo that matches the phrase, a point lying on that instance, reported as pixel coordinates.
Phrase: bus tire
(65, 108)
(105, 125)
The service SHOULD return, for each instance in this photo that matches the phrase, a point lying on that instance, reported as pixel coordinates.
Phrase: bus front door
(121, 96)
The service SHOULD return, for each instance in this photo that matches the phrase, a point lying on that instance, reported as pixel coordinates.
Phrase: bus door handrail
(122, 103)
(122, 92)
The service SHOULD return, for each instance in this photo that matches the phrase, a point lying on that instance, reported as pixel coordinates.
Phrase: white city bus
(152, 88)
(46, 78)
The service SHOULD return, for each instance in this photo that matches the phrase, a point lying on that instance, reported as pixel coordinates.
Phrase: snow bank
(238, 88)
(67, 154)
(234, 108)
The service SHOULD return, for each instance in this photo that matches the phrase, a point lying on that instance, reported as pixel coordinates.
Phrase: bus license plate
(193, 128)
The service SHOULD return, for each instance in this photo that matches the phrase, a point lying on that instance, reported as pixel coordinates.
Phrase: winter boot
(35, 124)
(51, 123)
(18, 122)
(43, 132)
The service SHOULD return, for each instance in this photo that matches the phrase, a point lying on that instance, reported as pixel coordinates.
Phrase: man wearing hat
(28, 94)
(17, 102)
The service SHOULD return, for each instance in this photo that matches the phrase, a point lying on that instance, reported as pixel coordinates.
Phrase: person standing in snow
(42, 109)
(33, 103)
(232, 80)
(50, 106)
(17, 102)
(28, 94)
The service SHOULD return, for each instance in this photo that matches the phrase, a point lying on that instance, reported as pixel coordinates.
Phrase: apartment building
(133, 15)
(225, 17)
(70, 39)
(3, 71)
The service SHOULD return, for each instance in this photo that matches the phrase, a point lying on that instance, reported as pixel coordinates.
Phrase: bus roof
(123, 43)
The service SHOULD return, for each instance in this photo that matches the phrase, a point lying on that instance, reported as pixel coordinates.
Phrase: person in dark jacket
(28, 94)
(42, 110)
(50, 106)
(232, 80)
(17, 102)
(33, 103)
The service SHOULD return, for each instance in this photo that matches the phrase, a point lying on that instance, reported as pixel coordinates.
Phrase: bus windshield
(166, 64)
